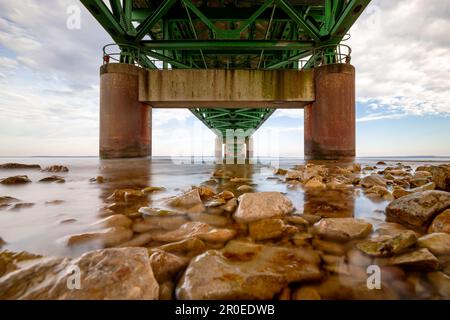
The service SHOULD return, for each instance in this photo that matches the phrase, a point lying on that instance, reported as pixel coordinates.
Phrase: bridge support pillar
(330, 119)
(249, 148)
(125, 123)
(218, 152)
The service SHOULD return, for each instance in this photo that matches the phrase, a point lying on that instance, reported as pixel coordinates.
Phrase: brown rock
(280, 171)
(390, 246)
(190, 247)
(441, 282)
(15, 180)
(116, 220)
(56, 179)
(294, 175)
(170, 222)
(100, 239)
(441, 176)
(437, 243)
(246, 271)
(373, 180)
(56, 168)
(199, 230)
(166, 265)
(262, 205)
(19, 166)
(342, 229)
(306, 293)
(269, 229)
(22, 205)
(188, 202)
(166, 290)
(419, 208)
(205, 192)
(105, 274)
(10, 261)
(315, 183)
(441, 223)
(328, 247)
(421, 258)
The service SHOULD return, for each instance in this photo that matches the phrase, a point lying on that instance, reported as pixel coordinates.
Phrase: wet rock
(355, 168)
(381, 163)
(294, 175)
(7, 201)
(418, 182)
(403, 182)
(373, 180)
(270, 229)
(98, 179)
(342, 229)
(189, 247)
(369, 168)
(170, 222)
(441, 176)
(298, 221)
(357, 258)
(127, 195)
(312, 171)
(315, 183)
(11, 261)
(285, 294)
(390, 229)
(166, 290)
(425, 187)
(189, 202)
(342, 287)
(19, 166)
(441, 223)
(211, 219)
(166, 265)
(230, 206)
(199, 230)
(441, 282)
(421, 258)
(22, 205)
(390, 246)
(56, 168)
(116, 220)
(246, 271)
(205, 192)
(262, 205)
(222, 174)
(67, 221)
(138, 240)
(109, 274)
(56, 179)
(306, 293)
(2, 242)
(280, 171)
(398, 192)
(328, 247)
(379, 192)
(54, 202)
(100, 239)
(15, 180)
(215, 202)
(147, 190)
(240, 180)
(419, 208)
(437, 243)
(245, 188)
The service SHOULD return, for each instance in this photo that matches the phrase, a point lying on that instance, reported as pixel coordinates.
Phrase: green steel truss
(226, 34)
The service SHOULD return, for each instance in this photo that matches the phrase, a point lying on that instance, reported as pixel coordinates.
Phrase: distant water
(38, 229)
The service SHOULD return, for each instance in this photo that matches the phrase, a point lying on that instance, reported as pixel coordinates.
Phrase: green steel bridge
(227, 34)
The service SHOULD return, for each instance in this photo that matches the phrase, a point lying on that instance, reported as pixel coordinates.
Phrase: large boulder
(188, 202)
(270, 229)
(244, 270)
(418, 209)
(262, 205)
(441, 176)
(437, 243)
(15, 180)
(373, 180)
(342, 229)
(421, 258)
(390, 246)
(104, 274)
(441, 223)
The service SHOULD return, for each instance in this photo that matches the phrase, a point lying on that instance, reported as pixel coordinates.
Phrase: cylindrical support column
(249, 147)
(329, 128)
(125, 123)
(218, 152)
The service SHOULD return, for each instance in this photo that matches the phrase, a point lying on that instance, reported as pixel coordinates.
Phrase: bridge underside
(227, 34)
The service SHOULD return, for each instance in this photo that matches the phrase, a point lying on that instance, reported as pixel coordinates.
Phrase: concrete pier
(125, 123)
(330, 119)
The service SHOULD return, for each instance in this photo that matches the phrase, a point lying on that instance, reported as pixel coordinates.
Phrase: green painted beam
(106, 19)
(352, 11)
(148, 23)
(227, 45)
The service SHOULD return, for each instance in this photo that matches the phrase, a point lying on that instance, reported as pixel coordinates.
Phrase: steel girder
(238, 34)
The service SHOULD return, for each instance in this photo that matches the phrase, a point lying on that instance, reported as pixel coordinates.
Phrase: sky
(49, 86)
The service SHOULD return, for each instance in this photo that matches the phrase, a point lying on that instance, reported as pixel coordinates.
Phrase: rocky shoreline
(207, 243)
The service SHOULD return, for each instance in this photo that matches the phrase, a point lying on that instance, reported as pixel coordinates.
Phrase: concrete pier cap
(329, 123)
(125, 122)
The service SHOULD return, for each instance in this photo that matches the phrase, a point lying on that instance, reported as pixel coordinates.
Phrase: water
(41, 229)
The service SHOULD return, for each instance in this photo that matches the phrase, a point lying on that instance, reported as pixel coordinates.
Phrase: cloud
(401, 51)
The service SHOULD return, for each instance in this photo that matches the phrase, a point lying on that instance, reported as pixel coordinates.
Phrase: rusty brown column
(125, 123)
(330, 121)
